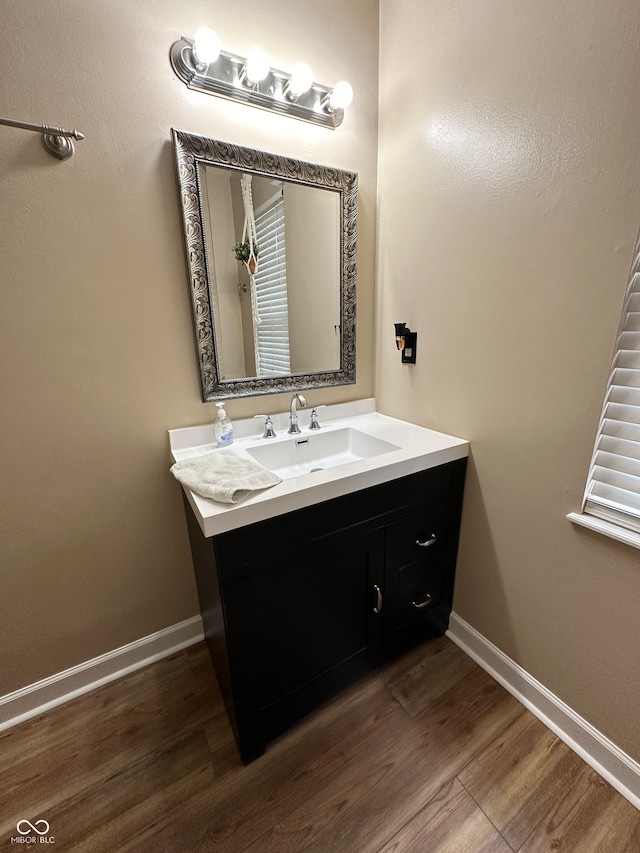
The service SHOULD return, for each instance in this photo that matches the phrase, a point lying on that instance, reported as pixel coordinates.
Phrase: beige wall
(96, 341)
(509, 158)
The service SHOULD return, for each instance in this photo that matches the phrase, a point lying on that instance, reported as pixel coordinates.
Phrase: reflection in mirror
(284, 317)
(271, 245)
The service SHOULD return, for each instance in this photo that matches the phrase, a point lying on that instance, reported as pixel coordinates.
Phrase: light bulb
(257, 65)
(341, 96)
(300, 80)
(206, 46)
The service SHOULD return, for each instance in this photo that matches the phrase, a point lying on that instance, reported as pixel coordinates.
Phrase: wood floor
(429, 755)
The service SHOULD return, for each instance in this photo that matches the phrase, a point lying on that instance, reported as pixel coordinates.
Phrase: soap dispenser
(223, 428)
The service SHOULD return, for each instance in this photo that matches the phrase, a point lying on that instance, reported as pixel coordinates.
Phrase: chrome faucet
(294, 429)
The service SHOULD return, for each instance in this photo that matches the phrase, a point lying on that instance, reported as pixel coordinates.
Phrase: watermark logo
(33, 833)
(32, 827)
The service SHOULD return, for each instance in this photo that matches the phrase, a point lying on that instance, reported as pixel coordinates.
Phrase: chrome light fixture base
(225, 78)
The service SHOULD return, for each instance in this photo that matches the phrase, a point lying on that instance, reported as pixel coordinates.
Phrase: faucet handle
(315, 423)
(269, 431)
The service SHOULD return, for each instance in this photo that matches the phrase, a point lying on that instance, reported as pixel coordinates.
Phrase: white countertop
(418, 449)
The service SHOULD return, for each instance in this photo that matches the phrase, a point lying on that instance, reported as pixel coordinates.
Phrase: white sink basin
(352, 432)
(316, 451)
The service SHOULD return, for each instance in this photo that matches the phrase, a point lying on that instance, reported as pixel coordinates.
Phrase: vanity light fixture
(206, 47)
(339, 97)
(406, 342)
(204, 67)
(301, 81)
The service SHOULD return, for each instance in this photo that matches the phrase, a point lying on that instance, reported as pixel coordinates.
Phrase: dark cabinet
(419, 573)
(298, 606)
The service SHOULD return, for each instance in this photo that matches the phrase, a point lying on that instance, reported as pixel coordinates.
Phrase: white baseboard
(59, 688)
(614, 765)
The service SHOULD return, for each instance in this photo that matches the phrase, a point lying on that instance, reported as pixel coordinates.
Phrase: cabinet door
(305, 615)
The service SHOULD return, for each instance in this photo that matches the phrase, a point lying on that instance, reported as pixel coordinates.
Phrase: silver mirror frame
(192, 152)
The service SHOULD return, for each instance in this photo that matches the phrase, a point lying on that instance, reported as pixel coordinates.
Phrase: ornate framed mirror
(271, 260)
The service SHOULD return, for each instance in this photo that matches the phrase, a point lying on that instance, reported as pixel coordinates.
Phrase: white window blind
(272, 333)
(613, 487)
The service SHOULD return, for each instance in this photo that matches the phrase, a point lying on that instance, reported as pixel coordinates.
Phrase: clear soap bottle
(223, 428)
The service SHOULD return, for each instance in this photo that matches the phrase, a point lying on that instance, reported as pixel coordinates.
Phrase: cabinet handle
(430, 541)
(422, 603)
(378, 607)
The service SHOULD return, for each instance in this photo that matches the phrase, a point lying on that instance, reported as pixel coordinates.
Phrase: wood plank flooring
(428, 755)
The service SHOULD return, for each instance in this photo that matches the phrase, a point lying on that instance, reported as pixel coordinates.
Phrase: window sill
(613, 531)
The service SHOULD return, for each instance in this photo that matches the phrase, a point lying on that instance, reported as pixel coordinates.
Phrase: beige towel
(224, 476)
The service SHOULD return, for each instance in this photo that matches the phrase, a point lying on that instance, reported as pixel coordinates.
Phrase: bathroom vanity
(307, 586)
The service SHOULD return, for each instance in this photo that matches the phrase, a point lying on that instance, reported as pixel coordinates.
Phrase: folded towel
(224, 476)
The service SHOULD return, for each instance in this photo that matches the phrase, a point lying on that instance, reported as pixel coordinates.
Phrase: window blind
(272, 333)
(613, 487)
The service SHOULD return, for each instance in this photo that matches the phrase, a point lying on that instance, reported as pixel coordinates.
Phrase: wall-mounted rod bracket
(56, 140)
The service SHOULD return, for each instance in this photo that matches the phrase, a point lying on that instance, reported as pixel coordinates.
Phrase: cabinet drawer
(417, 588)
(418, 536)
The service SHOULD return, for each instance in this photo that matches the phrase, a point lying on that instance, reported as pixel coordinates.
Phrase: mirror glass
(271, 259)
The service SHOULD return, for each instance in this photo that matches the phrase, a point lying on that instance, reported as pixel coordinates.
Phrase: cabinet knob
(422, 604)
(378, 607)
(431, 541)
